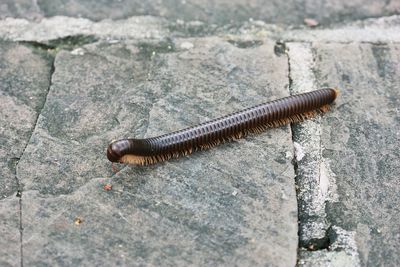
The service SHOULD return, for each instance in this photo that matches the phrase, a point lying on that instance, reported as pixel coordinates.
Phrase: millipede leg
(115, 169)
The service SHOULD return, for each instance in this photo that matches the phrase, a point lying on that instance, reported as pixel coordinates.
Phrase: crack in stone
(282, 47)
(314, 243)
(38, 45)
(318, 237)
(66, 43)
(322, 243)
(19, 184)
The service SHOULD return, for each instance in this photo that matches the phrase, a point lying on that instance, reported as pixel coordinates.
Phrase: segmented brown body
(236, 125)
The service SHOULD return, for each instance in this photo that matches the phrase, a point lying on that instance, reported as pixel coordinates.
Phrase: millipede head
(112, 153)
(123, 150)
(117, 149)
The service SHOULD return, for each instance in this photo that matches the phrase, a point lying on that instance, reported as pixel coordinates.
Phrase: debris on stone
(187, 45)
(78, 221)
(298, 151)
(78, 51)
(107, 187)
(311, 22)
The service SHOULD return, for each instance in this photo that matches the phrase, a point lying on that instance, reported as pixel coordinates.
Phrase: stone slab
(312, 184)
(10, 242)
(20, 9)
(60, 27)
(24, 82)
(217, 12)
(360, 141)
(375, 30)
(235, 204)
(59, 31)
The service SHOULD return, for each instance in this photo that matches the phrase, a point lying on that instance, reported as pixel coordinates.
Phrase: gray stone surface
(119, 76)
(20, 8)
(60, 27)
(342, 251)
(346, 161)
(219, 12)
(10, 241)
(378, 30)
(232, 205)
(360, 141)
(320, 242)
(59, 30)
(24, 81)
(312, 183)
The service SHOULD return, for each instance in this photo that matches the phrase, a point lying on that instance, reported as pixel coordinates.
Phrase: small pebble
(187, 45)
(78, 52)
(78, 221)
(310, 22)
(107, 187)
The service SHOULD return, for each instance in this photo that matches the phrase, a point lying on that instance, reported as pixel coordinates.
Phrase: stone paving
(75, 75)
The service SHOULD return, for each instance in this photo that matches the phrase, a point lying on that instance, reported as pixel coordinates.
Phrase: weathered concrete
(377, 30)
(312, 184)
(63, 27)
(315, 182)
(231, 205)
(346, 161)
(218, 12)
(24, 81)
(360, 141)
(342, 251)
(61, 30)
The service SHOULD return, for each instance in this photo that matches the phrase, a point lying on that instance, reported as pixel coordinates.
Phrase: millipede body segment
(208, 134)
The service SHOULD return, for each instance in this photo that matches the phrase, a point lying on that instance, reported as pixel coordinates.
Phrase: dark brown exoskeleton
(208, 134)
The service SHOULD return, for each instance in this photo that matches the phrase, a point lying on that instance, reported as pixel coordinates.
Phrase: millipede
(295, 108)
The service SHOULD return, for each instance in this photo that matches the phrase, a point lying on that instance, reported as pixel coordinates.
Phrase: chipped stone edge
(342, 251)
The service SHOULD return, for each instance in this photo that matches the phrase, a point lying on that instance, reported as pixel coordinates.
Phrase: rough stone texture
(219, 12)
(64, 27)
(380, 30)
(59, 30)
(9, 230)
(20, 8)
(312, 184)
(320, 243)
(360, 139)
(234, 205)
(342, 251)
(24, 81)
